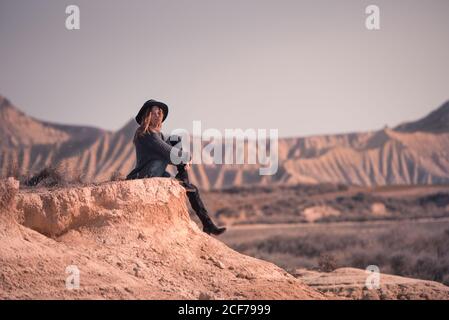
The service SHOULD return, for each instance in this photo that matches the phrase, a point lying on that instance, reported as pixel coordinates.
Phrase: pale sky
(304, 67)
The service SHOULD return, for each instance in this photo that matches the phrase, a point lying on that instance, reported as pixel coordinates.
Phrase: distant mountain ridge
(19, 129)
(437, 121)
(411, 153)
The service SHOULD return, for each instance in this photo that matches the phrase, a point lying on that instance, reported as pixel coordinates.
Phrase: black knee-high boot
(197, 204)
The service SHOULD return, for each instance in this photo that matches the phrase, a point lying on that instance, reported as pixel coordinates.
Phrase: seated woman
(153, 155)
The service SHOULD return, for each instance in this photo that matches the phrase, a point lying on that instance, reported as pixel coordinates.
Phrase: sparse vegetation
(117, 176)
(287, 204)
(415, 250)
(299, 189)
(327, 263)
(78, 178)
(53, 176)
(48, 177)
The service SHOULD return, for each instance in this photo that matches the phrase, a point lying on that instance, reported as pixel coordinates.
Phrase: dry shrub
(49, 177)
(327, 263)
(79, 178)
(117, 176)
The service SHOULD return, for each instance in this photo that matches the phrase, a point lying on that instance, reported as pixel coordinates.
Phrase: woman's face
(156, 115)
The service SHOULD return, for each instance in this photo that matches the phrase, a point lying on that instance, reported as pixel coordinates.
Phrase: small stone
(246, 276)
(205, 296)
(141, 236)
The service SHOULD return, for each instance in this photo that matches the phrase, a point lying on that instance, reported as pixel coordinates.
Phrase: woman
(153, 153)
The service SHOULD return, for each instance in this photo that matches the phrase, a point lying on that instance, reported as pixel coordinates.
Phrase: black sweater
(153, 146)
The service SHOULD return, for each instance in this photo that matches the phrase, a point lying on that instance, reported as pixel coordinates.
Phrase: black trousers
(193, 195)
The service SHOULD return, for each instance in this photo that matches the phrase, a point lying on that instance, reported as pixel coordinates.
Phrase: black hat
(147, 105)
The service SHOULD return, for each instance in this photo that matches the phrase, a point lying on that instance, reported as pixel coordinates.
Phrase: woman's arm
(159, 146)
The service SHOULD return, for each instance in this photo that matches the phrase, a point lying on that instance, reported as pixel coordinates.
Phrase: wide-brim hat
(147, 105)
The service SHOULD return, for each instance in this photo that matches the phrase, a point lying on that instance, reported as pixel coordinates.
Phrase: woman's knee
(191, 188)
(166, 175)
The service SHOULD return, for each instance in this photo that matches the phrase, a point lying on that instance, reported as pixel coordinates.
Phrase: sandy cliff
(129, 239)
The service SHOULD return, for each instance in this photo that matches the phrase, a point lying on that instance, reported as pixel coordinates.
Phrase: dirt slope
(129, 240)
(350, 283)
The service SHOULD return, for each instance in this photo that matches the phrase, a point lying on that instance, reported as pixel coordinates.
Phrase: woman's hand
(188, 164)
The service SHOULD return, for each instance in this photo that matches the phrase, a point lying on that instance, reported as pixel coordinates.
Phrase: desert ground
(136, 240)
(409, 248)
(404, 230)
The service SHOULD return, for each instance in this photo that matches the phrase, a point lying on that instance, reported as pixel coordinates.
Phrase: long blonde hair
(146, 125)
